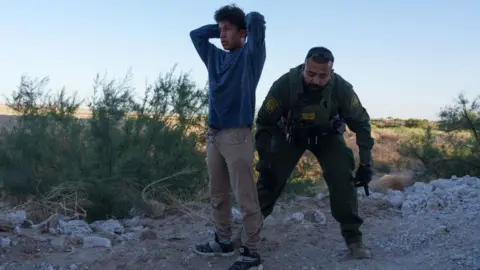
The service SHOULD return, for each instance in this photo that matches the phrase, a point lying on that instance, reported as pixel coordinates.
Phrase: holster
(308, 135)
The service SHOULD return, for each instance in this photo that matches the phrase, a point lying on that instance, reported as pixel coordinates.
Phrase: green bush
(416, 123)
(452, 153)
(103, 163)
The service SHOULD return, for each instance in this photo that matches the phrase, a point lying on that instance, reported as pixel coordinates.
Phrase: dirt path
(435, 239)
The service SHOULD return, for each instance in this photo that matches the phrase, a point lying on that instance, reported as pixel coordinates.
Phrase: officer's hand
(363, 175)
(338, 125)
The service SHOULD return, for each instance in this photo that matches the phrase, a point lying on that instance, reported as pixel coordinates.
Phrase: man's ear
(243, 36)
(243, 33)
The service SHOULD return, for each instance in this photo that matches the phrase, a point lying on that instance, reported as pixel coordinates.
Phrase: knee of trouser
(344, 208)
(219, 200)
(345, 160)
(343, 214)
(339, 177)
(249, 206)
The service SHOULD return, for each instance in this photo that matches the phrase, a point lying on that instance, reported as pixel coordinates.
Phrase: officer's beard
(314, 87)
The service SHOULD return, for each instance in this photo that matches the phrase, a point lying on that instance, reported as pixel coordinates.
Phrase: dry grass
(68, 199)
(388, 161)
(386, 149)
(81, 113)
(395, 181)
(385, 153)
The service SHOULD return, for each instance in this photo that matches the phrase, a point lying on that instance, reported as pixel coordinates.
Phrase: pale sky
(404, 58)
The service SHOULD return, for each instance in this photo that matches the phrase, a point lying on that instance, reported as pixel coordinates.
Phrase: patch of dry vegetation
(106, 160)
(97, 167)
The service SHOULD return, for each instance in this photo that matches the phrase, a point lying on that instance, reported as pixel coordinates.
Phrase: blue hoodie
(233, 76)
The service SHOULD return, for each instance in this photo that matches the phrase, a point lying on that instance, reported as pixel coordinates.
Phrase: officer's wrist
(365, 156)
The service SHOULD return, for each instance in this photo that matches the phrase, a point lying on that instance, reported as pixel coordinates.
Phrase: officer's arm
(358, 121)
(269, 114)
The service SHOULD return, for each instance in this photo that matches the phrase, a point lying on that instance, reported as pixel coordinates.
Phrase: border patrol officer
(308, 108)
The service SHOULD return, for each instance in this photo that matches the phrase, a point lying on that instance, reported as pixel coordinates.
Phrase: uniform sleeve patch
(271, 104)
(355, 102)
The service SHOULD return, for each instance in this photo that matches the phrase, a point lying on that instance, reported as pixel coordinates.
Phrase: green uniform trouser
(337, 163)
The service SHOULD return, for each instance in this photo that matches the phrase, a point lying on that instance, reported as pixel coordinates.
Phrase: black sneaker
(215, 248)
(247, 261)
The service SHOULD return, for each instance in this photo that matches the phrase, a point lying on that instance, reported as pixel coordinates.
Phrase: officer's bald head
(318, 67)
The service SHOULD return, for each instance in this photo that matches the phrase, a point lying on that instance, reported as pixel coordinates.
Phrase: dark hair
(320, 55)
(232, 14)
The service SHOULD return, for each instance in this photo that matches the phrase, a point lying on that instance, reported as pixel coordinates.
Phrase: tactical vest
(318, 114)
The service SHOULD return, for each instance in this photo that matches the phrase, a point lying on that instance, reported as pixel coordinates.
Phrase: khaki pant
(230, 166)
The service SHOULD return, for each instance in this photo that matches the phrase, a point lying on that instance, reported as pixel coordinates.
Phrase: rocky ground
(428, 226)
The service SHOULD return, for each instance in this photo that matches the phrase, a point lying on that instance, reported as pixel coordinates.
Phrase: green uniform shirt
(344, 101)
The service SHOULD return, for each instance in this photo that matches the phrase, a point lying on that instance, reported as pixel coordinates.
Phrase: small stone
(148, 235)
(137, 228)
(320, 196)
(315, 216)
(298, 216)
(129, 236)
(457, 257)
(132, 222)
(17, 230)
(236, 215)
(75, 227)
(75, 239)
(6, 226)
(302, 198)
(16, 217)
(4, 242)
(95, 241)
(395, 197)
(27, 224)
(110, 236)
(440, 230)
(61, 243)
(110, 226)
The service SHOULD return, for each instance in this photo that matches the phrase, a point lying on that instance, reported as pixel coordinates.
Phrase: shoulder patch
(271, 104)
(355, 102)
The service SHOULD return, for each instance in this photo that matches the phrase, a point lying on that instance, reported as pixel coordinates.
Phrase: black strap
(295, 106)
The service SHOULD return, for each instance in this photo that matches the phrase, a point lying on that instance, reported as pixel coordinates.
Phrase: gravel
(428, 226)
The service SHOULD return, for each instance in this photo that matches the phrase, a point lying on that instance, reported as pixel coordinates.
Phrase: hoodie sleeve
(256, 41)
(255, 33)
(200, 39)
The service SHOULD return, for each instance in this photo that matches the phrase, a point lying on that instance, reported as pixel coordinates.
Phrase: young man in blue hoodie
(233, 75)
